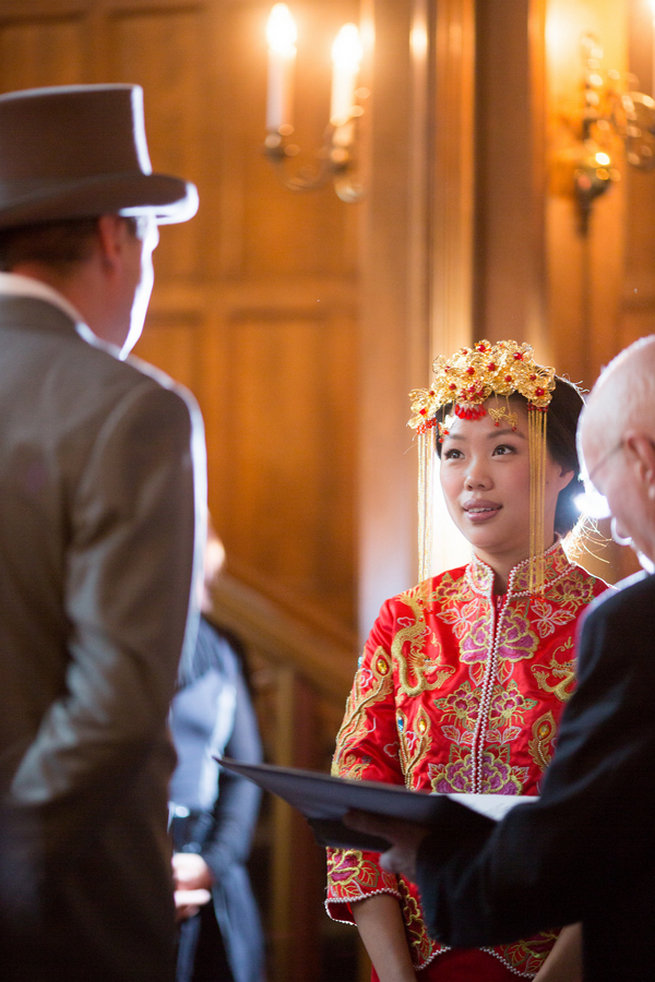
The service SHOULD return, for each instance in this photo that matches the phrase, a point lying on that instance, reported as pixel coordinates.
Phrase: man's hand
(193, 879)
(191, 872)
(189, 902)
(405, 839)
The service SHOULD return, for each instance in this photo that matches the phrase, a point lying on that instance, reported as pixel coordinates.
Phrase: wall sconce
(336, 157)
(611, 115)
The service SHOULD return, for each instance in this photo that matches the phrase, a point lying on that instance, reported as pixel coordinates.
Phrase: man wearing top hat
(102, 487)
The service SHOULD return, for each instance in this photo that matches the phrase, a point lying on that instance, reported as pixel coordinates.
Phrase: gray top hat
(81, 151)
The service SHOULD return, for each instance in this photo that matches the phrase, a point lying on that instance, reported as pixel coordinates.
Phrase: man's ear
(641, 456)
(111, 233)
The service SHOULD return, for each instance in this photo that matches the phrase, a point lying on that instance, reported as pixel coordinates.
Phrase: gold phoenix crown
(470, 376)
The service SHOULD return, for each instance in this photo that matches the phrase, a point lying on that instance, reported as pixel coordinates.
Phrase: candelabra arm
(334, 161)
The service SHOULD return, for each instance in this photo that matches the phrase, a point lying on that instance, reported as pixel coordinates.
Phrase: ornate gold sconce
(336, 159)
(614, 118)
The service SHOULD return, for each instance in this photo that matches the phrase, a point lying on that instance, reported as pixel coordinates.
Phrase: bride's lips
(480, 511)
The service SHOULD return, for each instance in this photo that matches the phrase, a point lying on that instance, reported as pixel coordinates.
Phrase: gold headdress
(465, 381)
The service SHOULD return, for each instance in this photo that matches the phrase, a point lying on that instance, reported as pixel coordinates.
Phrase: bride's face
(485, 478)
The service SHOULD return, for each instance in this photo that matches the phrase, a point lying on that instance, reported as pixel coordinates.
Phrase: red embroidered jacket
(458, 690)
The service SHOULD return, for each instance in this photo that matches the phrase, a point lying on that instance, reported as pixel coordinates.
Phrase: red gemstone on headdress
(508, 378)
(470, 370)
(540, 392)
(518, 356)
(491, 367)
(470, 412)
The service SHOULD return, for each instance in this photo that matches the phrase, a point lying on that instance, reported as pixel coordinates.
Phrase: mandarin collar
(480, 575)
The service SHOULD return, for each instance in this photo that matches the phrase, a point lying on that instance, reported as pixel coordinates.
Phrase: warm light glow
(281, 32)
(346, 59)
(418, 41)
(347, 48)
(602, 159)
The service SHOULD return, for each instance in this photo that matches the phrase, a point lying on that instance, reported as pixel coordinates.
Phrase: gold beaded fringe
(537, 421)
(426, 455)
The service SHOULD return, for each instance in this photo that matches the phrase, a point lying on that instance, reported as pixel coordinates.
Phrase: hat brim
(168, 199)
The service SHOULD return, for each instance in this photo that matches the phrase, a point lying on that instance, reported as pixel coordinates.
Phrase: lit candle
(281, 35)
(346, 58)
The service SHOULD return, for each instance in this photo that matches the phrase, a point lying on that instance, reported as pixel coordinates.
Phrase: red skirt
(463, 965)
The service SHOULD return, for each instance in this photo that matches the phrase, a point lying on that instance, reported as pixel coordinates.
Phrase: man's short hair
(59, 245)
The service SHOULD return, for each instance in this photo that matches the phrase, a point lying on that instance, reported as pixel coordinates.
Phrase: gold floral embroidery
(414, 743)
(547, 618)
(368, 688)
(498, 774)
(542, 743)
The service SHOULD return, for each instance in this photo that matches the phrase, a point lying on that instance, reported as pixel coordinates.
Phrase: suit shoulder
(133, 377)
(633, 597)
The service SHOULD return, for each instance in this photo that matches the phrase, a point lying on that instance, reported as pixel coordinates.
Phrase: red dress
(459, 691)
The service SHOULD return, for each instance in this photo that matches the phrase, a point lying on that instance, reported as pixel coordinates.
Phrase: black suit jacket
(586, 850)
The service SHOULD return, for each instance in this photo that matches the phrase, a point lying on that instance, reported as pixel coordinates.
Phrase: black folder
(324, 800)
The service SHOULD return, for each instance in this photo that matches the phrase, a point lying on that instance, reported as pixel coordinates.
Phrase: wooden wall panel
(261, 277)
(281, 301)
(280, 232)
(585, 272)
(637, 315)
(159, 50)
(35, 50)
(510, 167)
(290, 394)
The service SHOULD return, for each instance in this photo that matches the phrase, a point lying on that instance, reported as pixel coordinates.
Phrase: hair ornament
(470, 376)
(503, 412)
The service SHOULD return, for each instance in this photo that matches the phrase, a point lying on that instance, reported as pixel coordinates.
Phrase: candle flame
(347, 47)
(281, 32)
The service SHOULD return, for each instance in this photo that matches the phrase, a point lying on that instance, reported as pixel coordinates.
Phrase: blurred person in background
(214, 813)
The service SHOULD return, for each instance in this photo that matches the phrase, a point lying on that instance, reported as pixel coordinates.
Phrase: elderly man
(101, 483)
(584, 852)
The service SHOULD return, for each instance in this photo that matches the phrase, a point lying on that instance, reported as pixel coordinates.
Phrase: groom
(101, 484)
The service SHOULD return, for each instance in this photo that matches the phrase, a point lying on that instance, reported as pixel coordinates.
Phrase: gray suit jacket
(101, 475)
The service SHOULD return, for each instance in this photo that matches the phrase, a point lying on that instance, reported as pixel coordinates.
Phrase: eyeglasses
(603, 460)
(592, 502)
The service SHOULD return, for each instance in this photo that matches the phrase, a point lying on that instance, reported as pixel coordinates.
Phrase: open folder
(324, 800)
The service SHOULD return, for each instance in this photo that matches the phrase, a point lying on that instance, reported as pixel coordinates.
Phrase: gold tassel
(425, 492)
(537, 422)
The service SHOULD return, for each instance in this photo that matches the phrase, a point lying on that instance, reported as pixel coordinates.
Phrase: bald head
(616, 439)
(622, 399)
